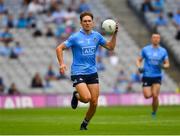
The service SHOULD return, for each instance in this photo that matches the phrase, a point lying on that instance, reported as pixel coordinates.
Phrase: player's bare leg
(155, 94)
(147, 92)
(94, 90)
(82, 94)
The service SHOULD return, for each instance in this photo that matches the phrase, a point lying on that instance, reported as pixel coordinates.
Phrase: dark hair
(83, 14)
(155, 33)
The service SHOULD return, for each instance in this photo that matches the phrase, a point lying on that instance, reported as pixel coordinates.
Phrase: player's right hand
(141, 70)
(62, 69)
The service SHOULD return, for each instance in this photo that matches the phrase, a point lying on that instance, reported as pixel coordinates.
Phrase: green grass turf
(107, 121)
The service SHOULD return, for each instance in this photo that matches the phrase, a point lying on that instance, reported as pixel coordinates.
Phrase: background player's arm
(59, 53)
(139, 61)
(166, 64)
(139, 64)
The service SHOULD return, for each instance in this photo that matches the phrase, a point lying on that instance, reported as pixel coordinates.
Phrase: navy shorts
(88, 79)
(149, 81)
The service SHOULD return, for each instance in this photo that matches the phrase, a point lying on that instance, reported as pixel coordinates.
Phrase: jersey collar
(82, 31)
(154, 47)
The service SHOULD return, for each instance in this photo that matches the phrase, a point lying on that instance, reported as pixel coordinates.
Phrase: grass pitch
(107, 121)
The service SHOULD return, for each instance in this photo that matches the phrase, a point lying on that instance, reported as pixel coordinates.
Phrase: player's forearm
(112, 42)
(138, 63)
(59, 53)
(165, 64)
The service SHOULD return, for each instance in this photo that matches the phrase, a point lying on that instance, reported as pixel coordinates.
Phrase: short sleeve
(102, 40)
(165, 57)
(69, 42)
(142, 53)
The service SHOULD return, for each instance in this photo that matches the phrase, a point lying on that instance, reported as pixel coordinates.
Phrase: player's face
(87, 23)
(155, 39)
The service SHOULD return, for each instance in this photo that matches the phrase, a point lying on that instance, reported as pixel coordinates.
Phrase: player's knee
(147, 96)
(87, 99)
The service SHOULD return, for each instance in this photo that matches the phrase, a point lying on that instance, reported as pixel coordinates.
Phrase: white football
(109, 26)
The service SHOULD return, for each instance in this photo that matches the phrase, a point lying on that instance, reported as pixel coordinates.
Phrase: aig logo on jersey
(89, 50)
